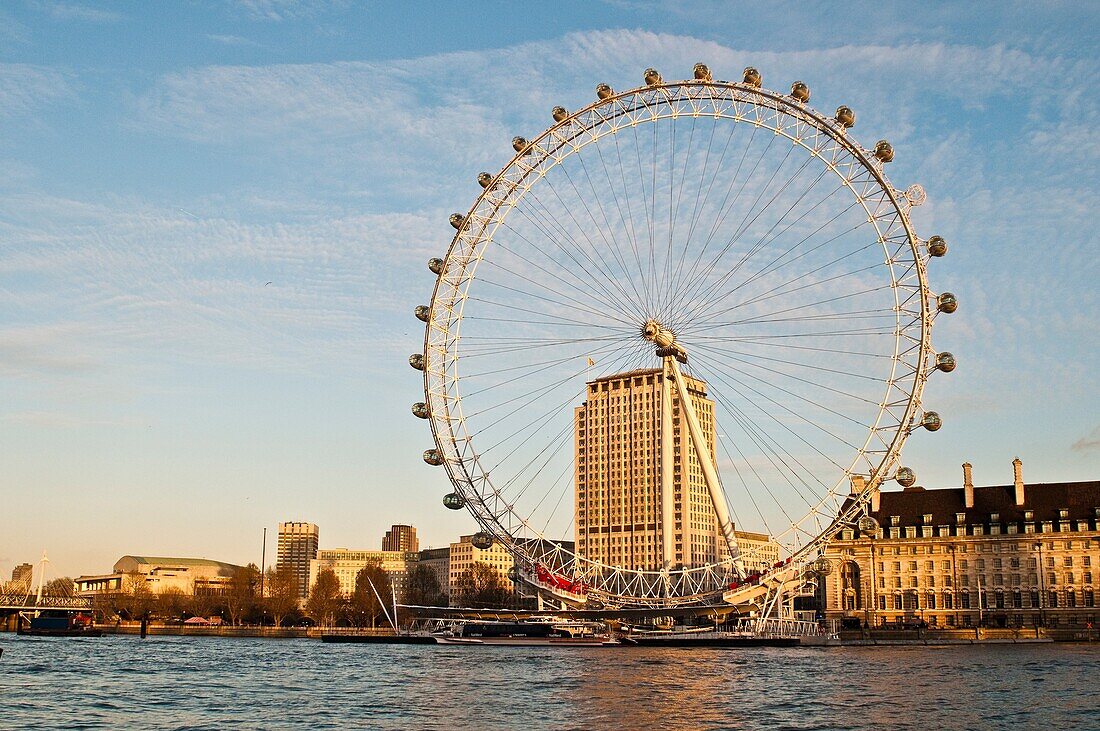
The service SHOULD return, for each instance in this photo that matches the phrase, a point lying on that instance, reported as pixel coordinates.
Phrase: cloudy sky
(215, 217)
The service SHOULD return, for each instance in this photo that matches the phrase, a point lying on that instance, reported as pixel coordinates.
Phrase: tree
(61, 586)
(481, 586)
(371, 583)
(241, 595)
(423, 588)
(282, 593)
(136, 599)
(324, 598)
(173, 603)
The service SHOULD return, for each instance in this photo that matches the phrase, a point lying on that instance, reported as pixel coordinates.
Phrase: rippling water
(207, 682)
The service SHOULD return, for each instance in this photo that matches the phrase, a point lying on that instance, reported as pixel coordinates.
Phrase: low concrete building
(189, 575)
(1016, 555)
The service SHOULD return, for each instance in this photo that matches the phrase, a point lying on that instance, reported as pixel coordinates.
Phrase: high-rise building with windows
(617, 437)
(400, 538)
(297, 547)
(21, 577)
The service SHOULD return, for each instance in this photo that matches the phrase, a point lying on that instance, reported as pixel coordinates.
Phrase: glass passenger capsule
(454, 501)
(702, 72)
(800, 91)
(482, 540)
(421, 312)
(520, 144)
(821, 566)
(845, 117)
(937, 246)
(867, 524)
(752, 77)
(420, 410)
(416, 360)
(652, 77)
(906, 477)
(435, 264)
(947, 303)
(884, 151)
(483, 179)
(457, 219)
(559, 114)
(945, 362)
(931, 421)
(433, 457)
(603, 91)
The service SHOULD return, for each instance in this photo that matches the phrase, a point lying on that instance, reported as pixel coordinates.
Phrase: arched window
(851, 586)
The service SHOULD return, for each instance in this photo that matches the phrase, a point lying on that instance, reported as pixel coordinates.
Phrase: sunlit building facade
(618, 472)
(1015, 555)
(297, 547)
(400, 538)
(347, 564)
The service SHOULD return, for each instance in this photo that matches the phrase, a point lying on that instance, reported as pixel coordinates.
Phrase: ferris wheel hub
(665, 340)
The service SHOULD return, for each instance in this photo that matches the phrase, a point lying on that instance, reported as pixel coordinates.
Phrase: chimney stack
(1018, 480)
(968, 484)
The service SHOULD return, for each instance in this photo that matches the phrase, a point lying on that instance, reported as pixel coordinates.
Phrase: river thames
(171, 683)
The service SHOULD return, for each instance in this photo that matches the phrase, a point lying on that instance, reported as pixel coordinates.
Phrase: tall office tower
(400, 538)
(21, 577)
(617, 437)
(297, 547)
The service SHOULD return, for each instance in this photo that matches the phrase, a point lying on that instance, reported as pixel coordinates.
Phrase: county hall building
(1015, 555)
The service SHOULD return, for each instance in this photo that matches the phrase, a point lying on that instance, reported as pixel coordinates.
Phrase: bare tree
(173, 603)
(61, 586)
(282, 593)
(241, 596)
(371, 583)
(481, 586)
(136, 598)
(324, 598)
(423, 589)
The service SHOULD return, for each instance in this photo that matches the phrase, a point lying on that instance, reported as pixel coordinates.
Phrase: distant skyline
(215, 218)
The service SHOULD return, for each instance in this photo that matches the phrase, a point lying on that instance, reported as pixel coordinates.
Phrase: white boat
(524, 634)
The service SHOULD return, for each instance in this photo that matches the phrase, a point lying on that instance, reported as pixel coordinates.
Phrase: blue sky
(162, 162)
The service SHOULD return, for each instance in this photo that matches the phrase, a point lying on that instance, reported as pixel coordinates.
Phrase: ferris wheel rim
(446, 436)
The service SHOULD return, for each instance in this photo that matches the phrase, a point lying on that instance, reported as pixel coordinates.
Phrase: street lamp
(1042, 585)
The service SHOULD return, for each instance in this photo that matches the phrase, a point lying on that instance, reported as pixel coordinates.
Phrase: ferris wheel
(678, 341)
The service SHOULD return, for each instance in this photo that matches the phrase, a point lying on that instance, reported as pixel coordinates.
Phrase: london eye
(677, 342)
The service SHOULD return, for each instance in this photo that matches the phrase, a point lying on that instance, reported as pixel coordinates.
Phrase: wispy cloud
(25, 88)
(73, 11)
(1088, 443)
(282, 10)
(231, 40)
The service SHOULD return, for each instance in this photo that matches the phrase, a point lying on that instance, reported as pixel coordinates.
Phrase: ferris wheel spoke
(604, 284)
(567, 302)
(773, 315)
(761, 436)
(730, 359)
(558, 277)
(739, 388)
(615, 247)
(603, 267)
(628, 217)
(743, 226)
(779, 290)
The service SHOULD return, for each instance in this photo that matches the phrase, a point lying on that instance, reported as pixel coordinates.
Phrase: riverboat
(524, 634)
(60, 625)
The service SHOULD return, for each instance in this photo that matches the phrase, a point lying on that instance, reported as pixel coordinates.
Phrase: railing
(26, 602)
(780, 627)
